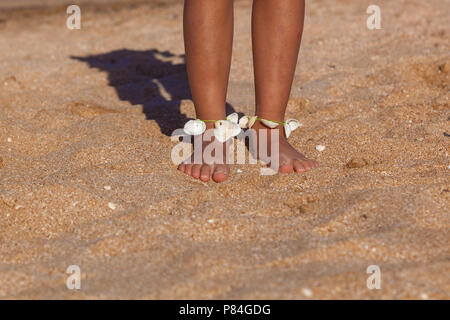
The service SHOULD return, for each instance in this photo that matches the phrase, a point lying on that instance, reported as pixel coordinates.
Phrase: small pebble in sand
(307, 292)
(107, 187)
(112, 206)
(320, 147)
(238, 170)
(9, 139)
(211, 221)
(424, 296)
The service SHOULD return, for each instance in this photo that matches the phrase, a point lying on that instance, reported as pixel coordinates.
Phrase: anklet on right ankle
(289, 125)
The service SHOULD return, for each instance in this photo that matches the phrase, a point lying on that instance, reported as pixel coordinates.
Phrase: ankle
(259, 127)
(270, 116)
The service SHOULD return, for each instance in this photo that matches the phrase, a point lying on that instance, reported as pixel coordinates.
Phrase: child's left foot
(290, 160)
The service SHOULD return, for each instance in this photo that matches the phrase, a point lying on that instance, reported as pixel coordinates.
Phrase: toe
(312, 164)
(298, 166)
(307, 164)
(196, 171)
(182, 167)
(188, 169)
(286, 168)
(205, 173)
(220, 173)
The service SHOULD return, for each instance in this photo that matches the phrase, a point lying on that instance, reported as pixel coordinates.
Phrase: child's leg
(277, 30)
(208, 37)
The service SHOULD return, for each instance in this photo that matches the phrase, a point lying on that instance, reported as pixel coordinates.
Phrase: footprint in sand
(356, 163)
(11, 83)
(88, 110)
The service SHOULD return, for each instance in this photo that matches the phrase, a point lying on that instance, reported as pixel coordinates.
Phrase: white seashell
(270, 124)
(252, 121)
(236, 129)
(247, 121)
(221, 136)
(243, 122)
(293, 124)
(290, 125)
(225, 130)
(194, 127)
(234, 117)
(424, 296)
(112, 205)
(307, 292)
(287, 130)
(320, 147)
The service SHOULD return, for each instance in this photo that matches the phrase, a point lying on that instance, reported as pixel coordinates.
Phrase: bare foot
(216, 168)
(290, 160)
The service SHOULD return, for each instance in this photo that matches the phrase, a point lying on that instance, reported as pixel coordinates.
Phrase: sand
(86, 177)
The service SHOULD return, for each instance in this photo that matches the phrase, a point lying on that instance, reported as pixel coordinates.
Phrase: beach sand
(86, 176)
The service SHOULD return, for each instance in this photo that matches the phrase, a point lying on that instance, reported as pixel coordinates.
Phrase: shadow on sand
(149, 78)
